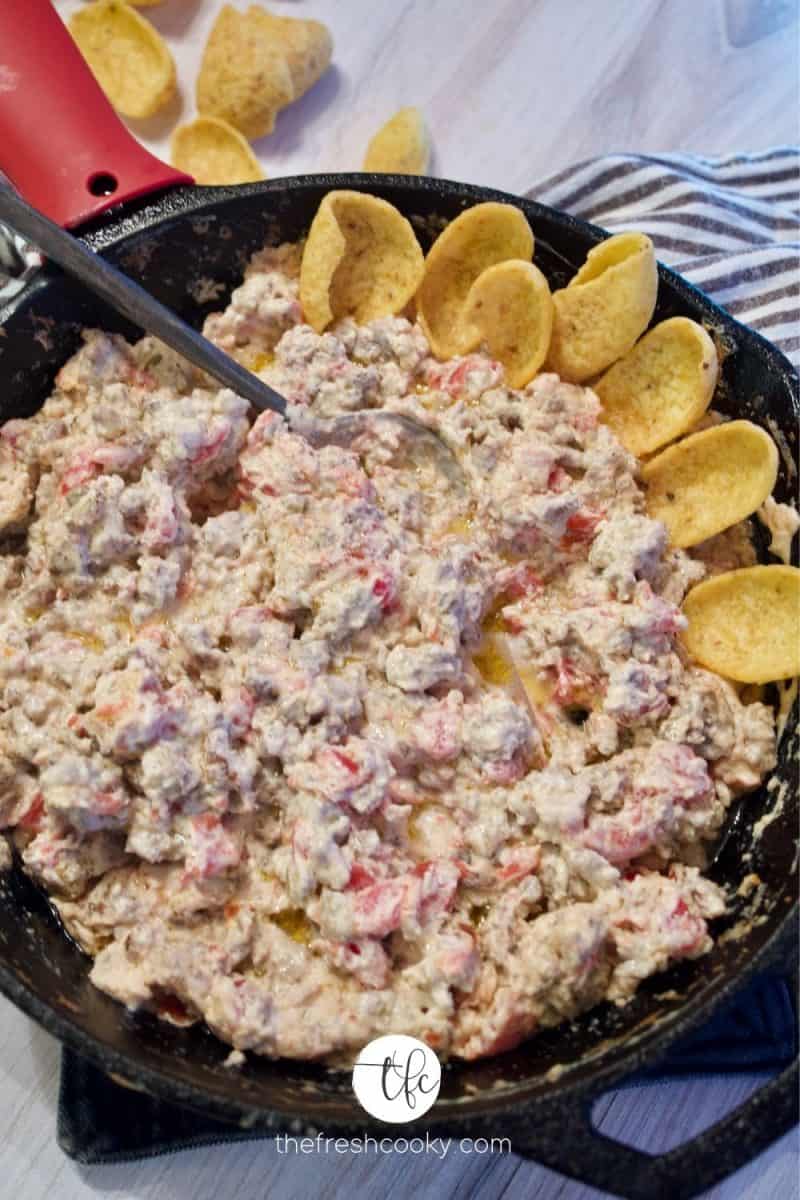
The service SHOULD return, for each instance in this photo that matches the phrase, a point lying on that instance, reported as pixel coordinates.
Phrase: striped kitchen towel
(730, 225)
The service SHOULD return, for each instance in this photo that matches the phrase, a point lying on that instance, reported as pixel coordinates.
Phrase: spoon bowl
(137, 305)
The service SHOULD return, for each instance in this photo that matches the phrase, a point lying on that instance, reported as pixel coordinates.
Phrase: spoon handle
(132, 301)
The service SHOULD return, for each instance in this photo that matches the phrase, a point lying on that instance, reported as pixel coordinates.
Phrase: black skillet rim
(641, 1047)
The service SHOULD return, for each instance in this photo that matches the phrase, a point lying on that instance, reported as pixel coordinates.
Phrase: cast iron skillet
(178, 245)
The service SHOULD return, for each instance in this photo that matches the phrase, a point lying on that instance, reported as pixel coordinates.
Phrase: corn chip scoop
(401, 146)
(662, 387)
(127, 56)
(361, 259)
(480, 237)
(255, 63)
(710, 481)
(602, 311)
(510, 308)
(745, 624)
(213, 152)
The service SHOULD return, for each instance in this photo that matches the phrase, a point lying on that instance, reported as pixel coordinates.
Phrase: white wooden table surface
(513, 90)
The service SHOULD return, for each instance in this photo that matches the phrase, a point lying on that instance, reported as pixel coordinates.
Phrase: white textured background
(516, 89)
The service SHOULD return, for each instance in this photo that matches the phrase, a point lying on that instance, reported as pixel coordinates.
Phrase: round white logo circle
(397, 1078)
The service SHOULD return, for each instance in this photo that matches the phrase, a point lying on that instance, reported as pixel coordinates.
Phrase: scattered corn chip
(744, 624)
(254, 64)
(401, 146)
(129, 59)
(361, 259)
(214, 153)
(604, 308)
(662, 387)
(511, 307)
(306, 45)
(709, 481)
(480, 237)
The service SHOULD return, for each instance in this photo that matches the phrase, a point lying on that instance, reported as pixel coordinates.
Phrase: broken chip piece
(662, 387)
(213, 152)
(401, 146)
(254, 64)
(744, 624)
(127, 56)
(710, 480)
(603, 310)
(480, 237)
(361, 260)
(511, 308)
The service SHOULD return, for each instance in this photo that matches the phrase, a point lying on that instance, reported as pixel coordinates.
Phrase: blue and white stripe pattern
(729, 225)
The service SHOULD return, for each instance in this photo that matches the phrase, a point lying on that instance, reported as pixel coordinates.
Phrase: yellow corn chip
(129, 59)
(511, 307)
(401, 146)
(361, 260)
(214, 153)
(254, 64)
(744, 624)
(604, 308)
(709, 481)
(306, 46)
(662, 387)
(480, 237)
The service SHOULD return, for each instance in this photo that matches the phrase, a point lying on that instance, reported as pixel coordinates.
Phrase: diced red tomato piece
(82, 471)
(558, 480)
(524, 582)
(210, 449)
(359, 878)
(581, 527)
(346, 761)
(383, 588)
(32, 818)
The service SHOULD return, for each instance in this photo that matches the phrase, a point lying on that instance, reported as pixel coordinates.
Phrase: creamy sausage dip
(310, 746)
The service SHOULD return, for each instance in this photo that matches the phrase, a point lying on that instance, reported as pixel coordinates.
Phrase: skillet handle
(61, 143)
(568, 1142)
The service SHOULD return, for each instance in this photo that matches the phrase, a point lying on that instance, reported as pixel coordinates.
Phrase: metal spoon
(133, 302)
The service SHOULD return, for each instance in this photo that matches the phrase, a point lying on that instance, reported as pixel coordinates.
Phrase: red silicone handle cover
(59, 136)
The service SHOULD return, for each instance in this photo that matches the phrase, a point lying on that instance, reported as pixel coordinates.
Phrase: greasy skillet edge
(329, 1108)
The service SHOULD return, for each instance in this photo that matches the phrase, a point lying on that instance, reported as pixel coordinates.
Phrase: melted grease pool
(294, 923)
(492, 664)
